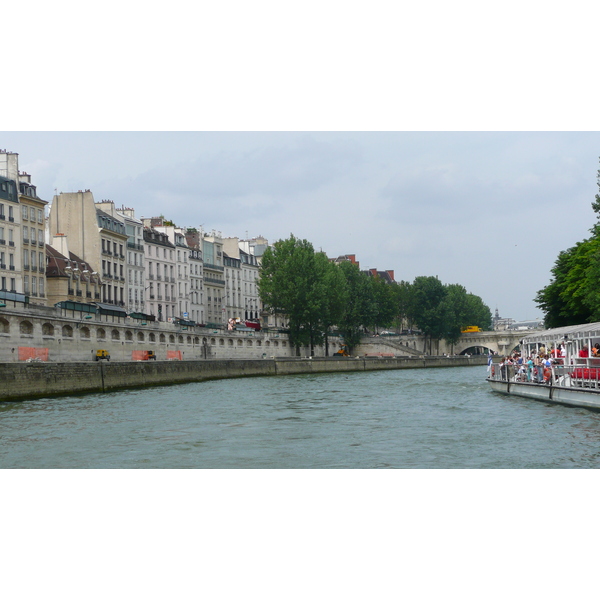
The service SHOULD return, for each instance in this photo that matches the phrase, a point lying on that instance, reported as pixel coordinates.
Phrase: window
(41, 262)
(41, 287)
(25, 233)
(40, 216)
(34, 286)
(32, 214)
(40, 237)
(24, 212)
(26, 258)
(26, 284)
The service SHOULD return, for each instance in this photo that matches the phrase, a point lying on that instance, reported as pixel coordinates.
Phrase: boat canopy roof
(572, 332)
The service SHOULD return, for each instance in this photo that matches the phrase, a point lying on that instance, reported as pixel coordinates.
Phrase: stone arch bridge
(501, 342)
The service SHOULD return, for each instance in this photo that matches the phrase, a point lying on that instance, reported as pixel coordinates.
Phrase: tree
(572, 297)
(296, 281)
(455, 312)
(426, 307)
(360, 306)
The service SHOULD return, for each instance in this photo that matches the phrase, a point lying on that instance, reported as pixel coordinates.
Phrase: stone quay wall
(25, 380)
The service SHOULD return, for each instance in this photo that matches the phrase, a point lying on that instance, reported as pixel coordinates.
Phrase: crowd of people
(536, 368)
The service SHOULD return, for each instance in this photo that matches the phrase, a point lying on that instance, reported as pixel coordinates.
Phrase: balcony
(2, 217)
(26, 240)
(151, 296)
(11, 243)
(33, 242)
(213, 267)
(2, 266)
(11, 219)
(11, 268)
(33, 268)
(70, 291)
(3, 242)
(159, 277)
(79, 293)
(151, 276)
(88, 294)
(159, 297)
(214, 281)
(26, 267)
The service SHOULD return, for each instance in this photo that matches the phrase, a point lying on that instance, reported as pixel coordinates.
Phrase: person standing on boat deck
(503, 367)
(529, 368)
(539, 369)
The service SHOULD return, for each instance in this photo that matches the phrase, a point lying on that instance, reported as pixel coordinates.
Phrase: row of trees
(572, 296)
(317, 295)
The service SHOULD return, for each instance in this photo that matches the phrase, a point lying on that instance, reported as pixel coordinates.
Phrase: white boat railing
(583, 373)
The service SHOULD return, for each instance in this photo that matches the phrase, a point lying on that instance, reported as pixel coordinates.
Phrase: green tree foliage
(316, 295)
(572, 295)
(303, 285)
(426, 308)
(386, 302)
(455, 312)
(360, 308)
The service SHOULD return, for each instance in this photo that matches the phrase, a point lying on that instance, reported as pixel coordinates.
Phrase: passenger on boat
(504, 363)
(539, 368)
(584, 352)
(596, 350)
(529, 368)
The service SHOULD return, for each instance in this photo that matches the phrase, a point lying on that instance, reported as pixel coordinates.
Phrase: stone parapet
(34, 380)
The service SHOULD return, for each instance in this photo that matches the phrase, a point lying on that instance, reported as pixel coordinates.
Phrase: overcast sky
(490, 211)
(427, 138)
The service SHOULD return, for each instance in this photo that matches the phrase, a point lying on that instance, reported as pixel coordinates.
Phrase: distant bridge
(501, 342)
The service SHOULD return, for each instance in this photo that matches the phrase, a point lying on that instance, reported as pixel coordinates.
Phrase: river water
(422, 418)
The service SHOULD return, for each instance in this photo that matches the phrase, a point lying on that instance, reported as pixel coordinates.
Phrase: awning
(78, 306)
(111, 310)
(14, 297)
(142, 317)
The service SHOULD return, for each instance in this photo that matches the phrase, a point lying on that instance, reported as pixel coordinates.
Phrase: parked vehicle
(102, 355)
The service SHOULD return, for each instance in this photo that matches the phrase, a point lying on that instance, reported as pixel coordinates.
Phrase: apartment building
(214, 278)
(193, 240)
(33, 229)
(160, 263)
(135, 256)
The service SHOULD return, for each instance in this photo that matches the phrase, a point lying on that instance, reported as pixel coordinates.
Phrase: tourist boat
(574, 378)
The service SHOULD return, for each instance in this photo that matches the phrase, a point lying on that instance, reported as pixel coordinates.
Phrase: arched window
(4, 326)
(48, 329)
(101, 334)
(67, 331)
(84, 333)
(26, 328)
(115, 334)
(128, 336)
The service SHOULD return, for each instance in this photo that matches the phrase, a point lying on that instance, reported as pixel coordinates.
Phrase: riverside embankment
(26, 380)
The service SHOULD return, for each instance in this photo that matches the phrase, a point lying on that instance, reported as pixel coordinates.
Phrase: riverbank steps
(27, 380)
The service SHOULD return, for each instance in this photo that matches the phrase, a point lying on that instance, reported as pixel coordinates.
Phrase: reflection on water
(426, 418)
